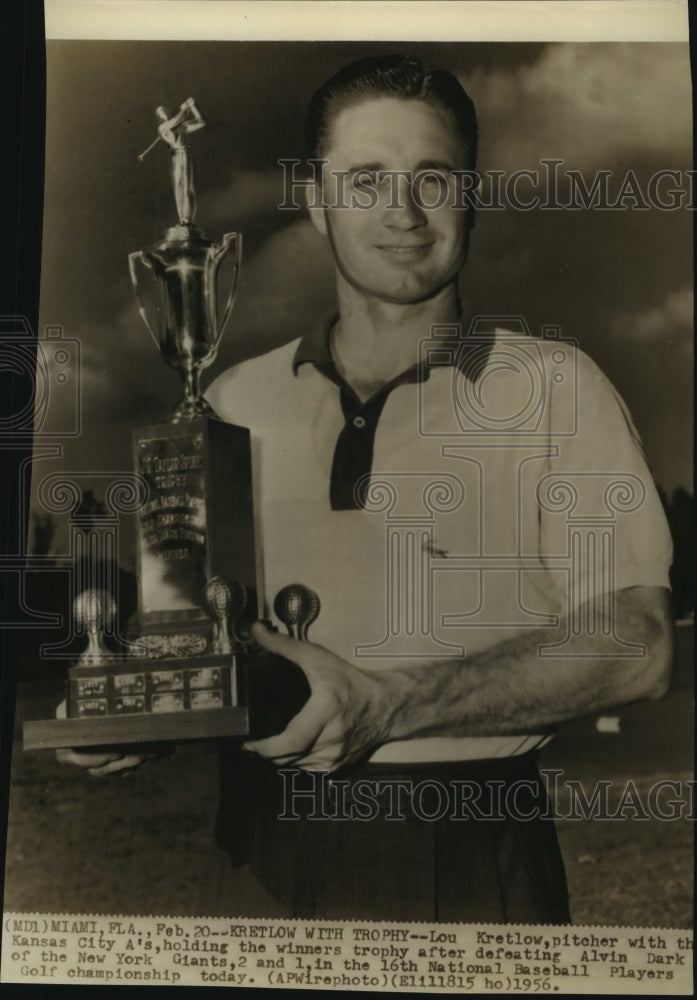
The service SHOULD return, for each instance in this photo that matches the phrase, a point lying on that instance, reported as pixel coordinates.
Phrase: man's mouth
(404, 249)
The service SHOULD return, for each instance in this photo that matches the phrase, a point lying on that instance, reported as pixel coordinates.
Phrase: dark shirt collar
(314, 345)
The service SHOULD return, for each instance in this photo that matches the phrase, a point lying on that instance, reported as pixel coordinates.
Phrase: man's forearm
(512, 688)
(509, 688)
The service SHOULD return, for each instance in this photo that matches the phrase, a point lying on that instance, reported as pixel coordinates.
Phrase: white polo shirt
(506, 486)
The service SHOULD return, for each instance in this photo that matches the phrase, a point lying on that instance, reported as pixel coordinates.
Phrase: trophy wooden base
(127, 701)
(52, 734)
(270, 691)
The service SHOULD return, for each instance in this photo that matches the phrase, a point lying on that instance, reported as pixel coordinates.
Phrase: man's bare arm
(509, 688)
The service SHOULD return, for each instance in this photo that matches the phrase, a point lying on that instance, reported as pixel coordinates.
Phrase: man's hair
(389, 76)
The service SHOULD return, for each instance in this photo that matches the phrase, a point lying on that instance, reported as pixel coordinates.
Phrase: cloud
(651, 352)
(286, 286)
(590, 104)
(250, 197)
(671, 322)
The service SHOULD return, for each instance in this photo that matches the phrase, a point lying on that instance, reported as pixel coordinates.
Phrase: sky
(619, 282)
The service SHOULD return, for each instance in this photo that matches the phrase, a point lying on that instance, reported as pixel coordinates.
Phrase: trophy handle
(225, 242)
(133, 258)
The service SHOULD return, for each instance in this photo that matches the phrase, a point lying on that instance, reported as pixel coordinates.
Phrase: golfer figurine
(174, 131)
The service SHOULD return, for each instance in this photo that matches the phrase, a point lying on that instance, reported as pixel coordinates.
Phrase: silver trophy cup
(184, 269)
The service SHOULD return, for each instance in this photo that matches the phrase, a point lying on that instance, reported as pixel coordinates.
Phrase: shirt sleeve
(599, 505)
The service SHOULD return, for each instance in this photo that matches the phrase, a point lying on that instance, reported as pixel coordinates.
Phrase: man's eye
(366, 179)
(431, 179)
(430, 188)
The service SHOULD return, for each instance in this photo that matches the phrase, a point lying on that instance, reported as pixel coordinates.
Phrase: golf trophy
(188, 668)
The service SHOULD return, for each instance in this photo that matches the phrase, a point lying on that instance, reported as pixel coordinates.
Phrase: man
(459, 626)
(342, 413)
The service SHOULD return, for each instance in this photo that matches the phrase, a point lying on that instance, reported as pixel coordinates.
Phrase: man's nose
(402, 211)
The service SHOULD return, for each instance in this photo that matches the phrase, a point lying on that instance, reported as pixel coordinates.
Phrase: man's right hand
(101, 764)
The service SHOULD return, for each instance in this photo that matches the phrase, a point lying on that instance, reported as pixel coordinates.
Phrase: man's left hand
(344, 718)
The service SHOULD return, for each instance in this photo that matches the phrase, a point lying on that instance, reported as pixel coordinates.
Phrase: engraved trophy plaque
(189, 666)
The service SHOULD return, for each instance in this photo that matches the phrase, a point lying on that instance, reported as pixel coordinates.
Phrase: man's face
(398, 249)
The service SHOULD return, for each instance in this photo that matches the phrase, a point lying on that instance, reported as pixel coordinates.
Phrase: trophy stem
(192, 404)
(192, 387)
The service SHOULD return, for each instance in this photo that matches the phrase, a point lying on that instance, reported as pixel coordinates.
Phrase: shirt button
(359, 422)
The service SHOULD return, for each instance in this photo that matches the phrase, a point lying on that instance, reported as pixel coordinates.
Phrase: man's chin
(405, 290)
(410, 296)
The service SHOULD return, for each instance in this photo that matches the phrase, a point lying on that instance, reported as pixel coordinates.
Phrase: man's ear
(315, 206)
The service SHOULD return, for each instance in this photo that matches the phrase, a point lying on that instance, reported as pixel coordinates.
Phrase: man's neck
(373, 341)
